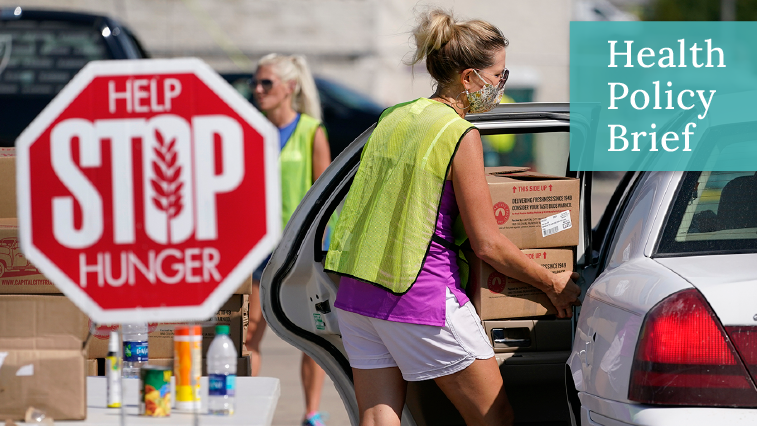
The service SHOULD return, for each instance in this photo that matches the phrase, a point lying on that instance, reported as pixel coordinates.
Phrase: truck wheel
(2, 269)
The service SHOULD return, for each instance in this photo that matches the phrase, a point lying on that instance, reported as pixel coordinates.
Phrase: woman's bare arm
(475, 203)
(321, 153)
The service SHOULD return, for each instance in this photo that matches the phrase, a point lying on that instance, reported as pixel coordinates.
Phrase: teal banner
(663, 96)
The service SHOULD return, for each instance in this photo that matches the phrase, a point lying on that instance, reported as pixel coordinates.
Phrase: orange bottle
(187, 365)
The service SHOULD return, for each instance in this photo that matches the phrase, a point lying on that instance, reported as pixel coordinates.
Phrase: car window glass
(631, 225)
(345, 96)
(40, 57)
(713, 211)
(542, 152)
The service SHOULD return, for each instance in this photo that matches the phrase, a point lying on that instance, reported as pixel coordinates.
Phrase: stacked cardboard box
(42, 337)
(42, 359)
(60, 365)
(496, 296)
(539, 214)
(233, 313)
(160, 336)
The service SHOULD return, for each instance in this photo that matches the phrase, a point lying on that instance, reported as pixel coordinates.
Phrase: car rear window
(40, 57)
(713, 212)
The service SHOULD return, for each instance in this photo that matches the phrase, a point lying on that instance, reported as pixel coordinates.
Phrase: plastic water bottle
(135, 348)
(222, 373)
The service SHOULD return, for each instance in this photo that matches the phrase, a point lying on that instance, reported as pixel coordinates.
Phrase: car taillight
(684, 357)
(745, 340)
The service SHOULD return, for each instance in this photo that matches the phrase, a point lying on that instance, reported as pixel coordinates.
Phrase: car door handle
(516, 337)
(513, 342)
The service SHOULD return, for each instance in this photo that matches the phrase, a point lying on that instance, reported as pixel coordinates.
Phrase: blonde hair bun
(449, 46)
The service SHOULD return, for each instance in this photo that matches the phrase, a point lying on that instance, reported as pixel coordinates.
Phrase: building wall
(360, 43)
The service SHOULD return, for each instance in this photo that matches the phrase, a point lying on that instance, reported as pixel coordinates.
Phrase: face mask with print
(485, 99)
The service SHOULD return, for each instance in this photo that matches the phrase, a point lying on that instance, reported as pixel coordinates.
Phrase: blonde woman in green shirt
(286, 93)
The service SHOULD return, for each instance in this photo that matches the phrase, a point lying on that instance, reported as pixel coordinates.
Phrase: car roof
(8, 14)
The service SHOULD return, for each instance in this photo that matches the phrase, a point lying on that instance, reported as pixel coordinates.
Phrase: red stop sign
(148, 190)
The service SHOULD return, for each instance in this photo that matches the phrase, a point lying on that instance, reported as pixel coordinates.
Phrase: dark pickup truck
(40, 51)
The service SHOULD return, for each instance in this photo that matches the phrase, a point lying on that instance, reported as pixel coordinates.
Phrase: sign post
(148, 190)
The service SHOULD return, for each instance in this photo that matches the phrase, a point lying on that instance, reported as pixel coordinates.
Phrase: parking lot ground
(282, 360)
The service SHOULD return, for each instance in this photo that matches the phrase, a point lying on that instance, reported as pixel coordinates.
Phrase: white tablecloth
(256, 400)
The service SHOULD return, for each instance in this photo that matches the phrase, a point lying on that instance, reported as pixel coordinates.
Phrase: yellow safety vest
(296, 165)
(389, 216)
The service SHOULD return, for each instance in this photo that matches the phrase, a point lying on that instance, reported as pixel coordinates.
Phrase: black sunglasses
(265, 82)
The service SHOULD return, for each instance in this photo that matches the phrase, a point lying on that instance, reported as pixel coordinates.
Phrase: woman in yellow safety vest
(403, 314)
(286, 93)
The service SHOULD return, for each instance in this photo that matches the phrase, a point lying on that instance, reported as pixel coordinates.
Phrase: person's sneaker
(315, 419)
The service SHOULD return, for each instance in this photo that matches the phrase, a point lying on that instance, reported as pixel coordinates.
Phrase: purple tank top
(424, 303)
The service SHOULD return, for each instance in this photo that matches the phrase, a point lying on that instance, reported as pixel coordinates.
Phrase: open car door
(297, 296)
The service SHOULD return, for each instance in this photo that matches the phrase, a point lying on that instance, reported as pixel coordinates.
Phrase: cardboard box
(92, 367)
(496, 296)
(17, 275)
(521, 199)
(243, 365)
(160, 337)
(7, 182)
(42, 357)
(246, 287)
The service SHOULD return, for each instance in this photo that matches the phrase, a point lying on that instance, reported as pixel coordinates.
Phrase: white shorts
(421, 352)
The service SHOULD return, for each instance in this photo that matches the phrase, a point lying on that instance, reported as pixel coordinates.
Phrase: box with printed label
(534, 209)
(160, 335)
(17, 274)
(42, 362)
(496, 296)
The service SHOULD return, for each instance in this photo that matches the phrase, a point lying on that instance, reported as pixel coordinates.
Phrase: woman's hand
(564, 293)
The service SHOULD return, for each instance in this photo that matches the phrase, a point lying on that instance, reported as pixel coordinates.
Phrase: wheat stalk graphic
(166, 182)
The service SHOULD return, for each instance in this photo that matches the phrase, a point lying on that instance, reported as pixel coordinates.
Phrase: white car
(668, 331)
(636, 265)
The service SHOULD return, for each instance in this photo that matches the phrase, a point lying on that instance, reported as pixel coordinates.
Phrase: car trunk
(727, 281)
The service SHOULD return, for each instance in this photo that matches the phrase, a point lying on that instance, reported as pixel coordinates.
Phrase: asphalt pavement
(283, 361)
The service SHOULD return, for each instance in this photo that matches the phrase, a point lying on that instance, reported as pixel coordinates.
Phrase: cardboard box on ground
(42, 358)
